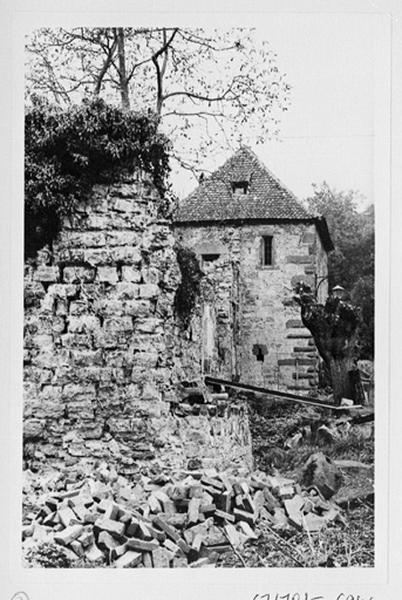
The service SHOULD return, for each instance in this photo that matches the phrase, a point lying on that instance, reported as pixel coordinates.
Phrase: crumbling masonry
(102, 353)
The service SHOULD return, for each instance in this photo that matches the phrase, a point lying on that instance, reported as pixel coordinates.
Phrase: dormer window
(239, 187)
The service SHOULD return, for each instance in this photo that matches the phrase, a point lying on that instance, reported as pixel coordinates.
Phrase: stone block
(145, 360)
(46, 274)
(86, 358)
(294, 323)
(112, 527)
(152, 274)
(149, 290)
(83, 324)
(299, 260)
(62, 290)
(122, 238)
(121, 205)
(308, 238)
(119, 425)
(34, 428)
(129, 560)
(98, 256)
(320, 471)
(126, 254)
(97, 221)
(287, 362)
(131, 273)
(85, 239)
(150, 325)
(78, 274)
(137, 308)
(67, 535)
(118, 324)
(81, 408)
(93, 553)
(151, 393)
(126, 290)
(75, 391)
(107, 274)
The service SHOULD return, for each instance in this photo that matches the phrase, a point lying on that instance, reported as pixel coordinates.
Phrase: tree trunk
(340, 378)
(125, 98)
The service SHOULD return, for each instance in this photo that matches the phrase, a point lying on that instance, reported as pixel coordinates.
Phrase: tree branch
(160, 72)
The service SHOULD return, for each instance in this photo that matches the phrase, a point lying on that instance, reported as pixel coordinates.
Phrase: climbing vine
(68, 151)
(189, 287)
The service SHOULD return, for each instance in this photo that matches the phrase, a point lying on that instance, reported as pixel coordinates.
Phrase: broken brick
(67, 535)
(142, 545)
(128, 560)
(114, 527)
(160, 558)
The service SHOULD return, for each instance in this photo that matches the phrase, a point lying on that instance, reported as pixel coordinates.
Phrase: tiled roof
(266, 197)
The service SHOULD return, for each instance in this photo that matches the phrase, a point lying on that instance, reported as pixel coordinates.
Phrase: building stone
(255, 242)
(103, 352)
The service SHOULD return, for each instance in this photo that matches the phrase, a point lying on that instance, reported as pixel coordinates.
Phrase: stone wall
(102, 353)
(259, 337)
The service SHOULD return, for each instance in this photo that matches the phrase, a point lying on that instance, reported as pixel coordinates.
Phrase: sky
(328, 131)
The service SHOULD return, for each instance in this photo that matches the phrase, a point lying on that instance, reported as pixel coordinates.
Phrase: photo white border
(380, 582)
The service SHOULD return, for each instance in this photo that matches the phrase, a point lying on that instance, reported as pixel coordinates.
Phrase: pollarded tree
(334, 327)
(211, 89)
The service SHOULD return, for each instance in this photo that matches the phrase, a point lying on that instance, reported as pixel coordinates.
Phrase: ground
(284, 436)
(273, 424)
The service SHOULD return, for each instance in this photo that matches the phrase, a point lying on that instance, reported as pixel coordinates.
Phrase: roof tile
(266, 197)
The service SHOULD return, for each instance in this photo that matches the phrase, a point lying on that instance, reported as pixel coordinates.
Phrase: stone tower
(255, 241)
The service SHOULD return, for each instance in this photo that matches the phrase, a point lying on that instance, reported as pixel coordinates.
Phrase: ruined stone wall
(270, 345)
(102, 351)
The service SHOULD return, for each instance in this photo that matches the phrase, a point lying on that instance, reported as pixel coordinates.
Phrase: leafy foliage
(50, 555)
(47, 555)
(352, 263)
(68, 151)
(189, 287)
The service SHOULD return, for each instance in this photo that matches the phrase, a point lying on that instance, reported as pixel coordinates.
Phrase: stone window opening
(259, 351)
(267, 251)
(239, 187)
(208, 258)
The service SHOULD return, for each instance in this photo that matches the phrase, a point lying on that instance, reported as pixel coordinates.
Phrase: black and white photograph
(199, 251)
(198, 240)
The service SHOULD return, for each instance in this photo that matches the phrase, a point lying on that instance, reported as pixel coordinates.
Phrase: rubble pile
(186, 521)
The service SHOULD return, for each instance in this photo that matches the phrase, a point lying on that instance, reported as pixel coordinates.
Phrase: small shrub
(47, 555)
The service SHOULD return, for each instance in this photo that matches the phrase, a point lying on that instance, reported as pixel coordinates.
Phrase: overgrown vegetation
(273, 423)
(351, 265)
(53, 556)
(189, 287)
(347, 544)
(68, 151)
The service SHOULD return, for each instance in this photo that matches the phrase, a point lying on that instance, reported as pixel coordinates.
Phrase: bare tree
(218, 87)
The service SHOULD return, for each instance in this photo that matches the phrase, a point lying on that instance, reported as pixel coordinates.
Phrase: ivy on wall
(189, 287)
(68, 151)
